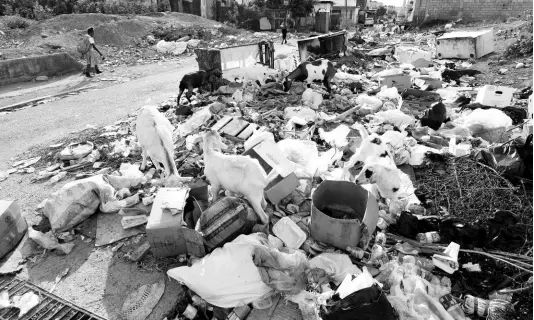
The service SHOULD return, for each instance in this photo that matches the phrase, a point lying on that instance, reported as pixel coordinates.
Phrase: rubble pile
(403, 193)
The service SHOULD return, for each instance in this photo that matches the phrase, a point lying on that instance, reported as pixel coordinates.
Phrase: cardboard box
(166, 233)
(235, 127)
(270, 157)
(401, 82)
(495, 96)
(424, 99)
(342, 196)
(405, 54)
(12, 226)
(465, 44)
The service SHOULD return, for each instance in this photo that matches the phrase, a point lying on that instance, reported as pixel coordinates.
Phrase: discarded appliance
(342, 212)
(166, 232)
(401, 82)
(331, 43)
(12, 226)
(495, 96)
(465, 44)
(272, 158)
(234, 57)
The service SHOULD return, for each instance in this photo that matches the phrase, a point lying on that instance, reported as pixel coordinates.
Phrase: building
(469, 10)
(373, 5)
(347, 10)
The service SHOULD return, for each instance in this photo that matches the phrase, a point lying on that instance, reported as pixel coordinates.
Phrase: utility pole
(346, 13)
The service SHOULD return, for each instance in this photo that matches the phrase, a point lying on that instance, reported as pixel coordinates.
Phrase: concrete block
(26, 69)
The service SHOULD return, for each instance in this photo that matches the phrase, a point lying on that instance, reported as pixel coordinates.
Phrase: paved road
(45, 123)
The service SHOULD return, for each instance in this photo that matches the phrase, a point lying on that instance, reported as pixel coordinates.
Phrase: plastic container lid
(289, 233)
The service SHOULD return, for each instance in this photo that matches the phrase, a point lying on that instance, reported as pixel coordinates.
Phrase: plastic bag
(394, 117)
(365, 304)
(225, 278)
(197, 119)
(488, 124)
(312, 99)
(79, 199)
(302, 152)
(48, 241)
(336, 265)
(337, 137)
(173, 47)
(284, 272)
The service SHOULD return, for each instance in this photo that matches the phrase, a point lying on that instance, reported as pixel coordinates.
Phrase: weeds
(16, 22)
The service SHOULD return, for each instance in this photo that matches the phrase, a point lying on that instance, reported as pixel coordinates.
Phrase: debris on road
(395, 185)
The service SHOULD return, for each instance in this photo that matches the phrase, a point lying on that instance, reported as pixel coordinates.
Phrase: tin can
(429, 237)
(190, 312)
(239, 313)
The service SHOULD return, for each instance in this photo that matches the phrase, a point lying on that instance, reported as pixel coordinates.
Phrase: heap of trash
(401, 192)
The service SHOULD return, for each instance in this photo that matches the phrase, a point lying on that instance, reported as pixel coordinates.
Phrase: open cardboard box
(167, 233)
(272, 158)
(339, 196)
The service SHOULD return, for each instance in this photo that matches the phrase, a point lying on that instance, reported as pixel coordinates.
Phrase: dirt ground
(100, 278)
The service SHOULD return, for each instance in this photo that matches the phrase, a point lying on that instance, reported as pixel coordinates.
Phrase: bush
(16, 22)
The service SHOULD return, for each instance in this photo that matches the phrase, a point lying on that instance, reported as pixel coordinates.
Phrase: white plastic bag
(489, 124)
(337, 137)
(301, 152)
(197, 119)
(394, 117)
(48, 241)
(362, 281)
(336, 265)
(311, 98)
(225, 278)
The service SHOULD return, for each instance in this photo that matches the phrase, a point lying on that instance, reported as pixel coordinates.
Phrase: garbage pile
(403, 193)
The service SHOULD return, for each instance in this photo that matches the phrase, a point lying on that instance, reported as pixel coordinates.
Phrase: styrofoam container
(288, 231)
(495, 96)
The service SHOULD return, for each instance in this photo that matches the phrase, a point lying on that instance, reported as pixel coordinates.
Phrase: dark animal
(455, 75)
(435, 116)
(197, 79)
(318, 70)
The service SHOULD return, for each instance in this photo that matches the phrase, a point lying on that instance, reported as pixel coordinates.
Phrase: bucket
(340, 212)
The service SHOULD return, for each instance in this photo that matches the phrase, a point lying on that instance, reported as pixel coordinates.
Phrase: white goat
(237, 174)
(384, 176)
(154, 133)
(372, 149)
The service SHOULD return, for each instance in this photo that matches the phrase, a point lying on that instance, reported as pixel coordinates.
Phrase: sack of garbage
(173, 47)
(227, 277)
(365, 304)
(79, 199)
(225, 220)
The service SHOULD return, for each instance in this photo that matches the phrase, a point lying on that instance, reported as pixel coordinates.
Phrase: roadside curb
(32, 101)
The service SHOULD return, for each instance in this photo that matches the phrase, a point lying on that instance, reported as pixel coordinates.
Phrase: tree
(381, 11)
(301, 8)
(174, 5)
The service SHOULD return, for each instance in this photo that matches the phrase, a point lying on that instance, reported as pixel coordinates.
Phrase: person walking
(284, 32)
(89, 50)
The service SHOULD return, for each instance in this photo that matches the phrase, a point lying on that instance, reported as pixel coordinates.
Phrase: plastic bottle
(429, 237)
(452, 307)
(357, 253)
(239, 313)
(58, 177)
(382, 224)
